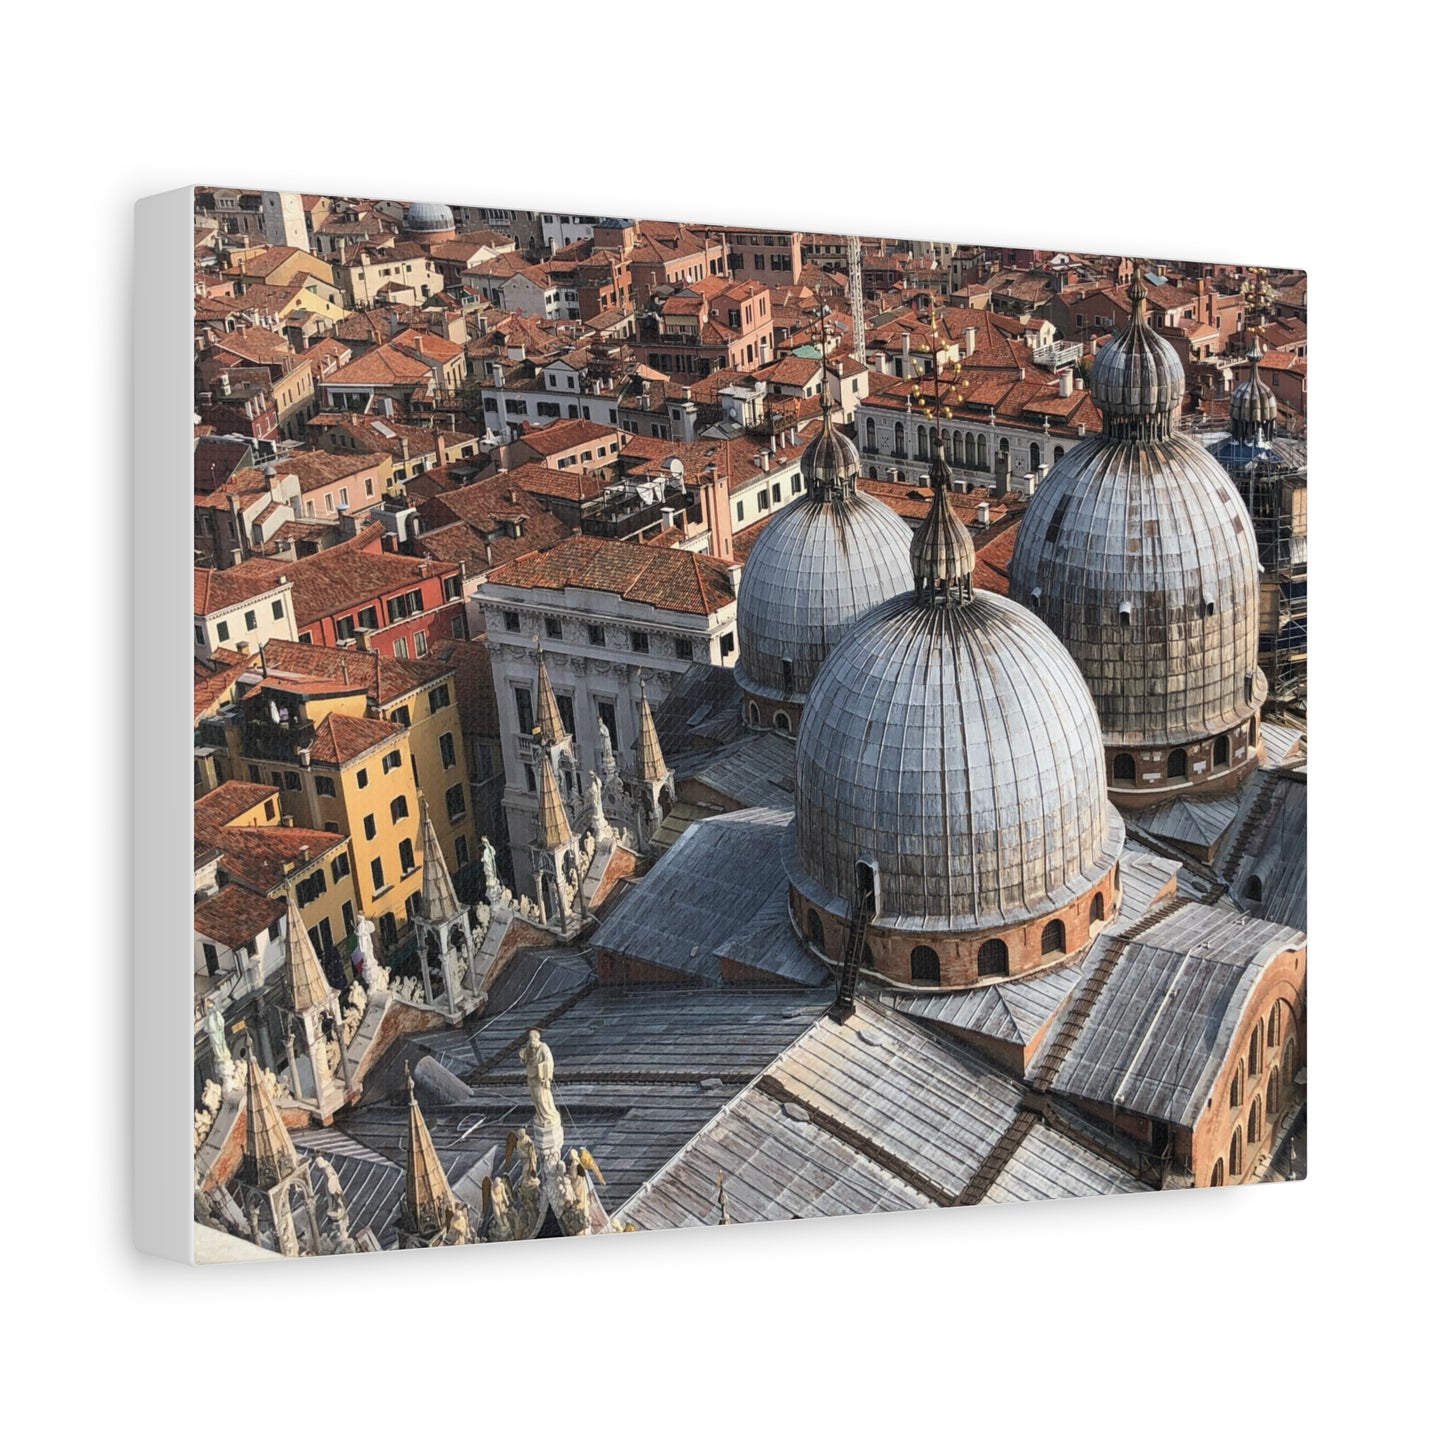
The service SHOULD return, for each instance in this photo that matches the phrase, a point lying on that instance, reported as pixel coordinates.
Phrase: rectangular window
(345, 627)
(564, 707)
(366, 619)
(325, 788)
(330, 502)
(250, 622)
(378, 875)
(439, 697)
(406, 855)
(463, 852)
(274, 931)
(255, 773)
(388, 930)
(348, 917)
(223, 632)
(200, 634)
(276, 781)
(554, 627)
(511, 621)
(448, 750)
(370, 488)
(763, 500)
(399, 648)
(459, 626)
(683, 647)
(368, 825)
(456, 803)
(340, 867)
(402, 716)
(270, 804)
(740, 511)
(345, 500)
(607, 716)
(213, 962)
(596, 634)
(419, 643)
(639, 642)
(391, 760)
(523, 697)
(361, 778)
(531, 777)
(398, 809)
(727, 644)
(452, 588)
(278, 610)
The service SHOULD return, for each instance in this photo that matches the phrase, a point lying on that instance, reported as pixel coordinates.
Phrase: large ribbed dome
(818, 566)
(954, 746)
(1140, 555)
(423, 217)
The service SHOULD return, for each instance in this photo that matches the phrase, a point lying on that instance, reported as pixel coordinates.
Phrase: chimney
(773, 442)
(983, 514)
(287, 821)
(970, 340)
(1023, 372)
(225, 380)
(1066, 381)
(405, 449)
(243, 647)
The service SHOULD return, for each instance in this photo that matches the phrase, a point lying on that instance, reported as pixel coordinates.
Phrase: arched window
(1256, 1114)
(1035, 457)
(782, 722)
(924, 450)
(872, 474)
(898, 439)
(1271, 1092)
(1221, 751)
(865, 876)
(1054, 936)
(1058, 454)
(1003, 448)
(1096, 909)
(1123, 767)
(1236, 1086)
(993, 959)
(1288, 1069)
(970, 453)
(1256, 1050)
(1178, 764)
(923, 965)
(1254, 889)
(754, 716)
(815, 929)
(1236, 1152)
(956, 454)
(1217, 1177)
(870, 435)
(1276, 1013)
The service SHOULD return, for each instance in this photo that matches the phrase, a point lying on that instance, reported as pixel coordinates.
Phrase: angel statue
(502, 1220)
(604, 750)
(489, 870)
(536, 1057)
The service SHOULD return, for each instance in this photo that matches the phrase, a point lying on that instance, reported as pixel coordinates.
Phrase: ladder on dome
(843, 1004)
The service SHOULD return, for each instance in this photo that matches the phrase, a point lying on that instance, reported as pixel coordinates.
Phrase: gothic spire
(549, 715)
(553, 829)
(268, 1155)
(439, 898)
(428, 1201)
(306, 985)
(651, 768)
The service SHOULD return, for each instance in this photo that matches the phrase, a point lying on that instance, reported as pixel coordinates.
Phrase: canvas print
(699, 723)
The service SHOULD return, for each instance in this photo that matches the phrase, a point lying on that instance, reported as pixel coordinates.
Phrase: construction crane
(855, 298)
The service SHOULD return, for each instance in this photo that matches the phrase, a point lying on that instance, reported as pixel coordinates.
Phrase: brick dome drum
(955, 749)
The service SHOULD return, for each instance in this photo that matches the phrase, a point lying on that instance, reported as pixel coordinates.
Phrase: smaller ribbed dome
(1137, 373)
(426, 216)
(1252, 407)
(830, 461)
(941, 552)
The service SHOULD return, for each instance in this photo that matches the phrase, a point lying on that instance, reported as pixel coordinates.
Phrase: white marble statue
(537, 1059)
(215, 1027)
(489, 870)
(372, 973)
(604, 750)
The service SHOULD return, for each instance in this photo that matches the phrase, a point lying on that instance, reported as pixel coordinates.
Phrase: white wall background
(1299, 1312)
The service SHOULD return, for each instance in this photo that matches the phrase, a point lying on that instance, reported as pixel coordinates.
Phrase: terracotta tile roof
(314, 468)
(1283, 361)
(384, 678)
(991, 557)
(257, 856)
(340, 737)
(791, 371)
(228, 802)
(910, 502)
(678, 581)
(383, 366)
(487, 504)
(563, 436)
(216, 591)
(235, 915)
(254, 344)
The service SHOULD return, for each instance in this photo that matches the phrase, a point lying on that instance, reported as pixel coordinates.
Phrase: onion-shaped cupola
(950, 780)
(1252, 407)
(1140, 555)
(817, 566)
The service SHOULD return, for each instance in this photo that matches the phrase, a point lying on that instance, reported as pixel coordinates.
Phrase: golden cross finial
(948, 380)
